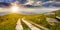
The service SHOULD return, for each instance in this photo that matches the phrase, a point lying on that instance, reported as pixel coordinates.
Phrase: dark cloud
(22, 1)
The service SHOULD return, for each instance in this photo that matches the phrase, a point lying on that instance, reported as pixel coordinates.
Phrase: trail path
(19, 25)
(30, 25)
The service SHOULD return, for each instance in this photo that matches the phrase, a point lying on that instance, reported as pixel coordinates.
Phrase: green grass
(58, 13)
(40, 19)
(25, 26)
(8, 22)
(8, 25)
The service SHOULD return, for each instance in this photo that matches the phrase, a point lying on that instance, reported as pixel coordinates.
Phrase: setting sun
(14, 7)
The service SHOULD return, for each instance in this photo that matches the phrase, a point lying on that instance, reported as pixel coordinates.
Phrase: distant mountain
(4, 13)
(52, 13)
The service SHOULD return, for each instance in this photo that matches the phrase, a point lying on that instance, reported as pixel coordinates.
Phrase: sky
(6, 1)
(37, 10)
(22, 1)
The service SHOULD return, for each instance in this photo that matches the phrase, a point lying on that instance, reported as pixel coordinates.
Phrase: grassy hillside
(8, 22)
(58, 13)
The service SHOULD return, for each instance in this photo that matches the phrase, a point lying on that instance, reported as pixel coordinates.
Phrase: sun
(14, 7)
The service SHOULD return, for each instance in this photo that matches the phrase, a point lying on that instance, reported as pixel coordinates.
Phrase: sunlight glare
(14, 7)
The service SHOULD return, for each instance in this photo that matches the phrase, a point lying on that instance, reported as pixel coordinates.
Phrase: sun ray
(14, 7)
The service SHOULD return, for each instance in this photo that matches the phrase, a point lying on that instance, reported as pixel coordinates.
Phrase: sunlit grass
(8, 22)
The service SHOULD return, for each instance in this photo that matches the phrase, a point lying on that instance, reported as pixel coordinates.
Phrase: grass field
(8, 22)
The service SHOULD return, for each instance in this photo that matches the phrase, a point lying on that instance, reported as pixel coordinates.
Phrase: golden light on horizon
(14, 9)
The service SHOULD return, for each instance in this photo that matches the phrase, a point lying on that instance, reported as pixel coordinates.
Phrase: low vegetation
(8, 22)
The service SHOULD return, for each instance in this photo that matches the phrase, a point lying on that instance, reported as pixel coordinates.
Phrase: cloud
(7, 1)
(22, 1)
(30, 2)
(33, 3)
(51, 4)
